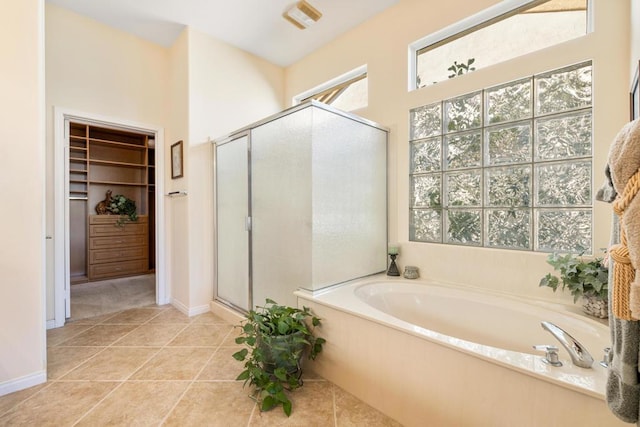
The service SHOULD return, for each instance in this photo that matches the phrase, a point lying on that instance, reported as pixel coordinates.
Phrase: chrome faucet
(579, 355)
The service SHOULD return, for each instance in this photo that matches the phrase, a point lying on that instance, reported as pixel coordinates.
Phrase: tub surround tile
(213, 404)
(113, 363)
(136, 403)
(151, 334)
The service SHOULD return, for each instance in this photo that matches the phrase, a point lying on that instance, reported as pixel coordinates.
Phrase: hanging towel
(623, 378)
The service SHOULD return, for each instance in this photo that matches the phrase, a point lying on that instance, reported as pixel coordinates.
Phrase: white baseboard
(23, 382)
(190, 311)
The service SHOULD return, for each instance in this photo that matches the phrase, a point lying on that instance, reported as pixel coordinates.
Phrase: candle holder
(393, 268)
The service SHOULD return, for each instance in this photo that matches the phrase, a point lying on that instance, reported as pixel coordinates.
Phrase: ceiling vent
(302, 15)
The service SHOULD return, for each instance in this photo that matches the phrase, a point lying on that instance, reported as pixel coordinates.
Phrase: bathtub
(434, 355)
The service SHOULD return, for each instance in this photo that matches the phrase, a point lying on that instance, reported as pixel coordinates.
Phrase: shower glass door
(233, 236)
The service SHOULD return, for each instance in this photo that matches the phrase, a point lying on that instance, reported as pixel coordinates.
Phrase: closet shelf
(117, 144)
(117, 164)
(131, 184)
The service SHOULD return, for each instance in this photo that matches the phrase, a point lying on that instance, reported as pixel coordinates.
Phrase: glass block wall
(506, 167)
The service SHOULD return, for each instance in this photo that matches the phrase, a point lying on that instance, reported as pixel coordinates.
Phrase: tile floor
(155, 366)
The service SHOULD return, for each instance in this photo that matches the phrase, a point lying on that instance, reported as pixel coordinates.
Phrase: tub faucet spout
(579, 355)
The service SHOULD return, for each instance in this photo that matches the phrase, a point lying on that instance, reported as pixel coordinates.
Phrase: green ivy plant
(123, 206)
(582, 277)
(276, 339)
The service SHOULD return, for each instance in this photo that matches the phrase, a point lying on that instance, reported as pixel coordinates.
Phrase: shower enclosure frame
(243, 302)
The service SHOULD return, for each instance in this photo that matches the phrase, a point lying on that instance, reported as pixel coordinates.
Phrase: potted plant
(586, 279)
(123, 206)
(277, 337)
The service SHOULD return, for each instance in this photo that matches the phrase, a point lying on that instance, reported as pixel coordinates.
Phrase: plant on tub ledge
(584, 278)
(277, 338)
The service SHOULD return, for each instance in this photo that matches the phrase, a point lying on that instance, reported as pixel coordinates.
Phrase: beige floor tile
(202, 335)
(100, 335)
(113, 363)
(134, 316)
(151, 334)
(222, 365)
(8, 401)
(136, 403)
(57, 335)
(352, 412)
(179, 363)
(93, 320)
(60, 404)
(223, 404)
(312, 405)
(171, 315)
(208, 318)
(61, 360)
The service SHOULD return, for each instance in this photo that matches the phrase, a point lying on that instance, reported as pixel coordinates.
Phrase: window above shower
(507, 30)
(348, 92)
(508, 167)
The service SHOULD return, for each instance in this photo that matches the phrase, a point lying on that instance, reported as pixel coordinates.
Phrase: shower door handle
(247, 223)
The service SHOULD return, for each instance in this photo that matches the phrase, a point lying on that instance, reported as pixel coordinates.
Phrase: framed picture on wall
(634, 96)
(177, 168)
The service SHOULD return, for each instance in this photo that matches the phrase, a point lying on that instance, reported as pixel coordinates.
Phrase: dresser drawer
(112, 219)
(117, 242)
(114, 269)
(116, 254)
(129, 228)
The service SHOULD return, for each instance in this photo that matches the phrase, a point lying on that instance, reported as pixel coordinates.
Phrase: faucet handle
(551, 354)
(605, 359)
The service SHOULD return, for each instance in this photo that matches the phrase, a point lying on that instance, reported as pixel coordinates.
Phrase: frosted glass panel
(281, 207)
(232, 210)
(349, 199)
(317, 200)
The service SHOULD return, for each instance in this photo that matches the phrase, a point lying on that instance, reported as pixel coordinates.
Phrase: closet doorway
(112, 261)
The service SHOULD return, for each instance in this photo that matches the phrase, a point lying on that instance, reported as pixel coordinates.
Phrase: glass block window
(506, 167)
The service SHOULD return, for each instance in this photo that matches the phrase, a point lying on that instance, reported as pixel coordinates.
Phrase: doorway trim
(61, 275)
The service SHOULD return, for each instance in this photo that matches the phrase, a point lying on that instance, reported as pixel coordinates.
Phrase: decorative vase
(283, 351)
(595, 306)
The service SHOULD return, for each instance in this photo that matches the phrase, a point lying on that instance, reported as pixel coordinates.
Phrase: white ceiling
(256, 26)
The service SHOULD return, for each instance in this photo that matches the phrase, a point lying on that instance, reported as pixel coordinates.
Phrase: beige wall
(228, 89)
(94, 69)
(382, 44)
(22, 336)
(196, 89)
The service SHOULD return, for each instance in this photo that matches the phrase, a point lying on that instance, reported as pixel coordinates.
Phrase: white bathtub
(434, 355)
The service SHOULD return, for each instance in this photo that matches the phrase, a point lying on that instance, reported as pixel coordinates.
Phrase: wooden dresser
(115, 250)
